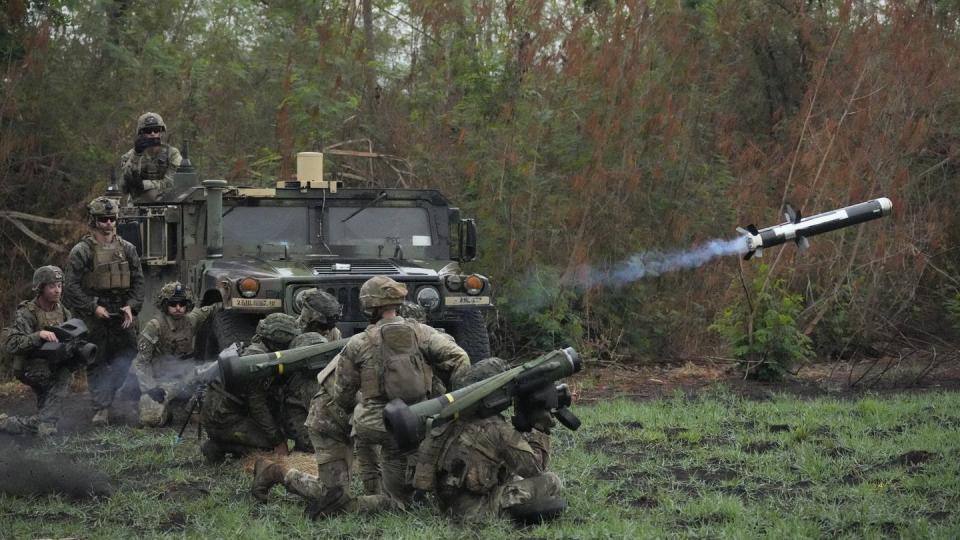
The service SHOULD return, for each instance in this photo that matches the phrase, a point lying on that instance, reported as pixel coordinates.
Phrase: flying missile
(799, 228)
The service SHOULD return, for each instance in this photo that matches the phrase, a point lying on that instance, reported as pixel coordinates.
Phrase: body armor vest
(154, 167)
(44, 319)
(111, 270)
(396, 368)
(177, 336)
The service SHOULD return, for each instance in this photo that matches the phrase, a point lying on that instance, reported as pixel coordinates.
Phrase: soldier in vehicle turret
(147, 168)
(104, 286)
(164, 343)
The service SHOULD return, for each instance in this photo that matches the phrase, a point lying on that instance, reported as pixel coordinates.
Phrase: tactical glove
(143, 142)
(157, 394)
(134, 183)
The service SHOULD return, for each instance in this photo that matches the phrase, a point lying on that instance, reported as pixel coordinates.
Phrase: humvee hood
(259, 268)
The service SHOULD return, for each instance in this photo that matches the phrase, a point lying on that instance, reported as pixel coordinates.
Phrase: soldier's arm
(74, 294)
(444, 353)
(147, 346)
(347, 376)
(129, 172)
(259, 406)
(199, 315)
(522, 455)
(22, 336)
(135, 293)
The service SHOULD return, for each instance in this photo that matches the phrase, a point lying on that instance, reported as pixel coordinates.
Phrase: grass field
(715, 466)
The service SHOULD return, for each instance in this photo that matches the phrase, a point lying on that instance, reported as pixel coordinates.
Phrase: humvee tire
(230, 327)
(471, 334)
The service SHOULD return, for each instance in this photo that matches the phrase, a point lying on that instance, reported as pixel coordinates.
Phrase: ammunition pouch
(111, 270)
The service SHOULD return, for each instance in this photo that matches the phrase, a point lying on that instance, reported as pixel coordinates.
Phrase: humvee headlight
(429, 298)
(454, 282)
(248, 287)
(473, 284)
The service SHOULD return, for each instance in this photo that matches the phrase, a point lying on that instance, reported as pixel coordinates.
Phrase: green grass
(715, 466)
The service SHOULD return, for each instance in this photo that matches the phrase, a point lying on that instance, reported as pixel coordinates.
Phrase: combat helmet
(484, 369)
(150, 120)
(102, 206)
(380, 291)
(173, 292)
(276, 330)
(410, 310)
(44, 275)
(319, 307)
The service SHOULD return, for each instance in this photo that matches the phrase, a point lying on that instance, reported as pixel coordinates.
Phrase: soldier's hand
(47, 335)
(542, 421)
(141, 143)
(127, 316)
(101, 312)
(157, 394)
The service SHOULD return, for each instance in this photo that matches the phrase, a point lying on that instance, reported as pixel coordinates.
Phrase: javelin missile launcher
(529, 387)
(235, 369)
(798, 228)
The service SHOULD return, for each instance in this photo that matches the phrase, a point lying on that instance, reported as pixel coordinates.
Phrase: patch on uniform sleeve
(149, 336)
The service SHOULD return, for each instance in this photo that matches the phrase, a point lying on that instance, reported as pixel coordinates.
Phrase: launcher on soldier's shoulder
(527, 386)
(234, 369)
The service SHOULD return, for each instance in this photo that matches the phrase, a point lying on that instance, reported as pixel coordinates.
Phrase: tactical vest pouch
(111, 270)
(405, 373)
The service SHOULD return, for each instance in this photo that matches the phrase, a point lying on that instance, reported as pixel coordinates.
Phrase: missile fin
(760, 252)
(753, 229)
(748, 255)
(802, 243)
(791, 214)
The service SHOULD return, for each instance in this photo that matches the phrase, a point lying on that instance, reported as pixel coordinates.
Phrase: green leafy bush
(763, 331)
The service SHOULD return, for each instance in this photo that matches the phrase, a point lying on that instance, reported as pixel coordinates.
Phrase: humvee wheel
(230, 327)
(471, 334)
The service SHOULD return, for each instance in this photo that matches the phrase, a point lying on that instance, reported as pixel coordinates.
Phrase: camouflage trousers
(464, 505)
(50, 385)
(227, 423)
(116, 347)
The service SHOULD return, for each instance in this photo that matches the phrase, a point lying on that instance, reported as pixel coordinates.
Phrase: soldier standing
(164, 343)
(242, 420)
(104, 286)
(483, 467)
(23, 338)
(147, 168)
(392, 359)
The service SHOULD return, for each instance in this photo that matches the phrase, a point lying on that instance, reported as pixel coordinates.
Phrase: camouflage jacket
(83, 300)
(166, 336)
(359, 366)
(474, 457)
(22, 336)
(156, 171)
(256, 394)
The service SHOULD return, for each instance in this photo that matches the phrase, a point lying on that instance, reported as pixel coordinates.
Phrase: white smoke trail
(654, 263)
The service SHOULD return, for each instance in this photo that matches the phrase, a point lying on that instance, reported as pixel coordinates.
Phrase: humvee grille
(361, 267)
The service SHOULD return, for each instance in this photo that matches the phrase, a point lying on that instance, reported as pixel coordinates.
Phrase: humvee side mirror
(467, 236)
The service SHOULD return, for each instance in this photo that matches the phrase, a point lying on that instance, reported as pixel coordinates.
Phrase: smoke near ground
(654, 263)
(25, 476)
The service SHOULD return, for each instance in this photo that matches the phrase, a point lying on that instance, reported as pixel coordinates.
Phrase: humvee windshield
(377, 231)
(250, 226)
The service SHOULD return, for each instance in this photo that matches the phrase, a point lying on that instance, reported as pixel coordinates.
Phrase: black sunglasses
(152, 130)
(104, 219)
(178, 303)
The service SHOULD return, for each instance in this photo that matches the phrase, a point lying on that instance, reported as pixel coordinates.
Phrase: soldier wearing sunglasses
(147, 168)
(165, 342)
(103, 284)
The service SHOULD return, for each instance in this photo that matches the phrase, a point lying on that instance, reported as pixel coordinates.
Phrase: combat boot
(266, 474)
(213, 453)
(335, 501)
(46, 429)
(17, 425)
(101, 418)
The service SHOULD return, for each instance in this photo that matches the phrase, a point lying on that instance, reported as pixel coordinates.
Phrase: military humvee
(254, 248)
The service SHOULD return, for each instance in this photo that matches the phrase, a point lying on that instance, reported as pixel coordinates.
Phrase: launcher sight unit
(71, 348)
(529, 387)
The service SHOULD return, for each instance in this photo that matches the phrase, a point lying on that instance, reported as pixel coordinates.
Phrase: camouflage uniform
(293, 395)
(393, 358)
(107, 275)
(149, 172)
(51, 383)
(481, 468)
(164, 343)
(390, 359)
(242, 420)
(319, 312)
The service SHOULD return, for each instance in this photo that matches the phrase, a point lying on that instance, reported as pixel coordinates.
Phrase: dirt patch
(913, 458)
(184, 491)
(174, 522)
(778, 428)
(761, 447)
